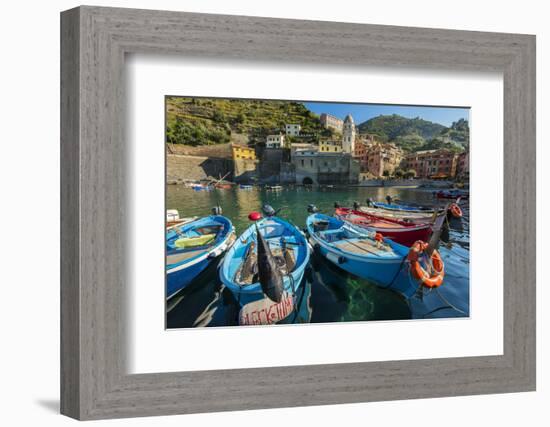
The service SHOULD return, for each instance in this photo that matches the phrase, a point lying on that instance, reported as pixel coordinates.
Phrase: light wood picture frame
(94, 379)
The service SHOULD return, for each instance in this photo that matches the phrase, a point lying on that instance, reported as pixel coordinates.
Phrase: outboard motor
(355, 206)
(370, 202)
(312, 209)
(268, 210)
(217, 210)
(389, 199)
(336, 205)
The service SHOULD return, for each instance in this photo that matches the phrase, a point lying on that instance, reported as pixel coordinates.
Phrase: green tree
(218, 116)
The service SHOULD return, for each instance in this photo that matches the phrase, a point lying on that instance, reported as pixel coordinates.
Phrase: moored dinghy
(192, 246)
(400, 231)
(412, 217)
(368, 255)
(267, 261)
(407, 208)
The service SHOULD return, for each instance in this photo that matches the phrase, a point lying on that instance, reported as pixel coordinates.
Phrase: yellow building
(243, 152)
(330, 147)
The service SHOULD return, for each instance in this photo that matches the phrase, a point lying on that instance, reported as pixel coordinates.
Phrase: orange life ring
(378, 237)
(455, 210)
(430, 281)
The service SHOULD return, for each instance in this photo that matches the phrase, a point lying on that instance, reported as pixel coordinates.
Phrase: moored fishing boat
(407, 208)
(412, 217)
(192, 246)
(370, 256)
(267, 260)
(452, 194)
(173, 218)
(223, 185)
(398, 230)
(274, 187)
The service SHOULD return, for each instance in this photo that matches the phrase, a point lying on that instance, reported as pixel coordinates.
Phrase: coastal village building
(245, 163)
(434, 164)
(331, 122)
(295, 146)
(292, 129)
(243, 152)
(314, 167)
(275, 141)
(380, 158)
(360, 150)
(330, 147)
(463, 165)
(349, 134)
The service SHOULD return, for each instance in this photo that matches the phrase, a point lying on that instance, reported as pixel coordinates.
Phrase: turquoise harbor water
(328, 294)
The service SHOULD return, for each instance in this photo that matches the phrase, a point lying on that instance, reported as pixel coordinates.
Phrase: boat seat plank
(364, 246)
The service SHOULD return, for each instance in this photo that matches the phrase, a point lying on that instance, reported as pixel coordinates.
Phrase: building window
(302, 162)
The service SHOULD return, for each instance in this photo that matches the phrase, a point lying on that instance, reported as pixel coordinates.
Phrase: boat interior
(247, 273)
(287, 250)
(377, 223)
(349, 239)
(191, 239)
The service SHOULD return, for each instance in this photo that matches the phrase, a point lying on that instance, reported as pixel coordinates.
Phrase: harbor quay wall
(245, 170)
(180, 168)
(404, 183)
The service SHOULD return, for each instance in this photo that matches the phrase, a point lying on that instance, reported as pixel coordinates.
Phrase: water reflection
(327, 294)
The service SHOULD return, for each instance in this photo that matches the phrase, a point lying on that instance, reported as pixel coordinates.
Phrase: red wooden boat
(403, 232)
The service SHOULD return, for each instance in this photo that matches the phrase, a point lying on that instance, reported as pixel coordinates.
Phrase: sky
(361, 112)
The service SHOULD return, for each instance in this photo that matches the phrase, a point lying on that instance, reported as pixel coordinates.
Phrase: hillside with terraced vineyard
(208, 121)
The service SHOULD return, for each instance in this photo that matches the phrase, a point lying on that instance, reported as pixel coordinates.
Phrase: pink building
(432, 163)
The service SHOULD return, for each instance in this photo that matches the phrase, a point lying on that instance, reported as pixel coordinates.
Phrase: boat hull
(176, 280)
(394, 229)
(389, 273)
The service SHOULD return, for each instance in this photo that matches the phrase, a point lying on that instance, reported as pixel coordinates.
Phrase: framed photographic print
(290, 213)
(325, 191)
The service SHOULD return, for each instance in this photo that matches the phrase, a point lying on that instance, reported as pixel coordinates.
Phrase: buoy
(433, 280)
(455, 210)
(254, 216)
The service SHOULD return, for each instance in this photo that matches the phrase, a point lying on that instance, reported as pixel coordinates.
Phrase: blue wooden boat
(406, 208)
(191, 247)
(362, 253)
(290, 250)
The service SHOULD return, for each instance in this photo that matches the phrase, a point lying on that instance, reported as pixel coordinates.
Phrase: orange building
(360, 150)
(379, 158)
